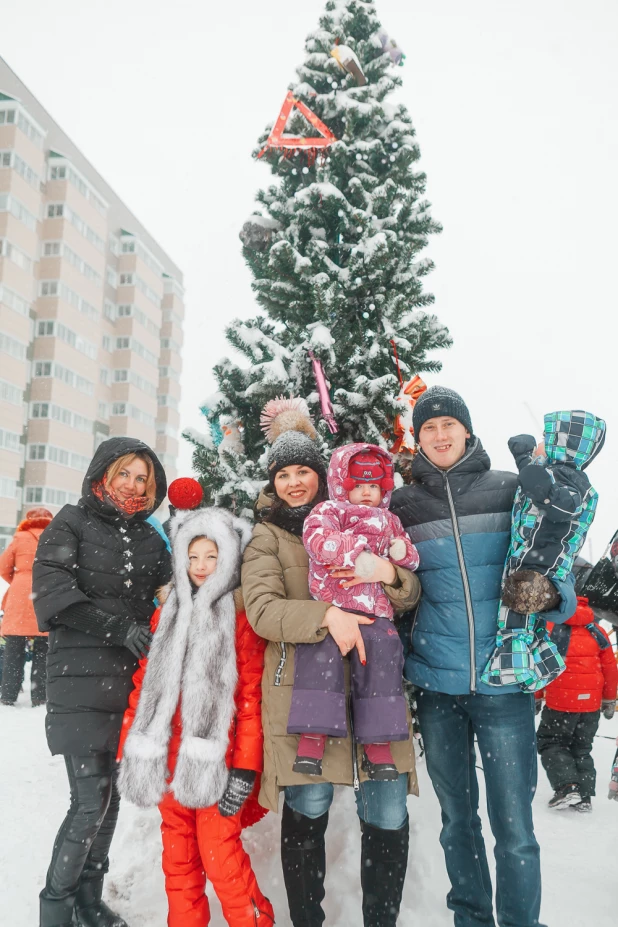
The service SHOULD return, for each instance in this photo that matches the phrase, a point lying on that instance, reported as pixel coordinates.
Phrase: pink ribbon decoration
(328, 413)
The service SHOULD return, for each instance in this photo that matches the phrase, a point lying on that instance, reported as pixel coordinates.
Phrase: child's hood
(583, 614)
(574, 437)
(339, 465)
(230, 533)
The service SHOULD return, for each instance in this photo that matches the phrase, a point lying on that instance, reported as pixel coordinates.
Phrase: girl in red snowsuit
(192, 738)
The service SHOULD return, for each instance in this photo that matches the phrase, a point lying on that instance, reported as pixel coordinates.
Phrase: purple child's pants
(378, 704)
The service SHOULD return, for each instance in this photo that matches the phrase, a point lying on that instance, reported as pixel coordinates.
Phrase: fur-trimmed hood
(192, 660)
(230, 533)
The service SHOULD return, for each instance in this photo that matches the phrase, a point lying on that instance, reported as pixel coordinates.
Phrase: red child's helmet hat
(367, 467)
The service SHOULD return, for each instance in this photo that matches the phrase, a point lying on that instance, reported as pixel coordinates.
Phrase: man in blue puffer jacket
(457, 512)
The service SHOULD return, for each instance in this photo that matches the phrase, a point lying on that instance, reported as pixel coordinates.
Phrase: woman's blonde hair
(151, 485)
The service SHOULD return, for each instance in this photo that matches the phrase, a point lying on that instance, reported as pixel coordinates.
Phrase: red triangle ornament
(293, 143)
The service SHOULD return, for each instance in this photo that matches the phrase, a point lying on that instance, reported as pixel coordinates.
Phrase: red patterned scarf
(128, 508)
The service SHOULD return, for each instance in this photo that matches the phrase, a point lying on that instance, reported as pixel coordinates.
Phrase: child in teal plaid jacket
(553, 509)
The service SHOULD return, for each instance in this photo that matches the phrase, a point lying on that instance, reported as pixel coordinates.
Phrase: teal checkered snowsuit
(553, 509)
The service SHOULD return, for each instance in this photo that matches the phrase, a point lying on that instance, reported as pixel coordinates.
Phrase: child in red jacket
(574, 702)
(192, 738)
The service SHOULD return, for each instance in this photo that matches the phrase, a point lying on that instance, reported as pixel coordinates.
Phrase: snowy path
(578, 850)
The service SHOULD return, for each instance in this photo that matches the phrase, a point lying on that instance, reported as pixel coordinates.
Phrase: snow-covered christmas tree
(334, 250)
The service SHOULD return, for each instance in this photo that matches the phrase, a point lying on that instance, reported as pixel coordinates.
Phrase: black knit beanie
(438, 401)
(294, 448)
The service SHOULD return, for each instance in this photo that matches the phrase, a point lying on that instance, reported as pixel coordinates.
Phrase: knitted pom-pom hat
(288, 427)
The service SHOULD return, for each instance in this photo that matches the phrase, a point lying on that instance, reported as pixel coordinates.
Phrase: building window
(66, 172)
(128, 247)
(109, 310)
(55, 210)
(14, 301)
(36, 452)
(10, 204)
(126, 279)
(43, 369)
(10, 158)
(104, 376)
(53, 328)
(103, 411)
(10, 393)
(52, 248)
(15, 254)
(169, 401)
(111, 276)
(122, 343)
(107, 343)
(75, 380)
(13, 347)
(9, 440)
(50, 495)
(39, 410)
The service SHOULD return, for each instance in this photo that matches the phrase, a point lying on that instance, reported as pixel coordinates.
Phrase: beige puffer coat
(279, 607)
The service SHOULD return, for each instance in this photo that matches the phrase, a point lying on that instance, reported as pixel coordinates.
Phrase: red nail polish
(364, 662)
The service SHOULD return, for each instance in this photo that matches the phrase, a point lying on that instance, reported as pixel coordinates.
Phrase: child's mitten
(365, 564)
(528, 592)
(522, 447)
(238, 789)
(608, 707)
(397, 549)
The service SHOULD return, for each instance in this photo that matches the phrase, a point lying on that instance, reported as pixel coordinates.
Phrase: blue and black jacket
(460, 521)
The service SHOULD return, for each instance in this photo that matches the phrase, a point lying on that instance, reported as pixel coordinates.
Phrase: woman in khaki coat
(280, 608)
(19, 621)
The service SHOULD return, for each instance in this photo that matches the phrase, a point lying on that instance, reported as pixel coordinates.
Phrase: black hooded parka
(92, 554)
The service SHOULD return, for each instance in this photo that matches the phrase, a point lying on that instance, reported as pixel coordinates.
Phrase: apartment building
(91, 316)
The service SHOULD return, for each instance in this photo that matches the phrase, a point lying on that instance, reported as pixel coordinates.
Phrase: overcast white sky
(514, 105)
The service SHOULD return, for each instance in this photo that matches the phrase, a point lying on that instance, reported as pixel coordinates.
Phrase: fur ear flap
(244, 530)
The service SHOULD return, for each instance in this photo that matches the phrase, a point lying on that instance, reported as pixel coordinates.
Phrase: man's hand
(344, 629)
(608, 707)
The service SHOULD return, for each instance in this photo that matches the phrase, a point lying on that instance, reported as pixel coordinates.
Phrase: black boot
(384, 860)
(303, 859)
(91, 910)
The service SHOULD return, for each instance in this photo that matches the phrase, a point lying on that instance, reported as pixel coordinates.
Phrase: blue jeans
(504, 728)
(381, 804)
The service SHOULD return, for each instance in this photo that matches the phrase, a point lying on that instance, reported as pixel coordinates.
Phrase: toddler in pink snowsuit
(338, 534)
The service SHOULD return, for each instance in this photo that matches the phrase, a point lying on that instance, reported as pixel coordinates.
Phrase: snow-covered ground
(578, 850)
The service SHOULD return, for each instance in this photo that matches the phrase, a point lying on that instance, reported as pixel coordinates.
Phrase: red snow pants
(199, 845)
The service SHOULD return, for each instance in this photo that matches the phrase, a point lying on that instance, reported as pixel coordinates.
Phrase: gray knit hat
(438, 401)
(294, 448)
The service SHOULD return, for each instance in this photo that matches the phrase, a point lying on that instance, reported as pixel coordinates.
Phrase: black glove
(138, 640)
(238, 789)
(608, 707)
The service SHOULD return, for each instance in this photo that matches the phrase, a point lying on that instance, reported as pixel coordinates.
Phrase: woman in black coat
(94, 579)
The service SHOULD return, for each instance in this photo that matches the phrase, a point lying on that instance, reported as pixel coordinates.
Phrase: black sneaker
(379, 772)
(308, 766)
(565, 797)
(584, 806)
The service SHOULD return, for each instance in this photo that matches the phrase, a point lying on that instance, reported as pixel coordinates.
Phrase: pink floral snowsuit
(335, 534)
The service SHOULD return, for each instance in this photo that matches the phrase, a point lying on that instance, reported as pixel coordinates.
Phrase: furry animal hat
(288, 427)
(193, 654)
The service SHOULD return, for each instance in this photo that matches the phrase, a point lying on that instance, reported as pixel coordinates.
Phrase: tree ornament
(292, 144)
(185, 493)
(403, 429)
(215, 428)
(232, 437)
(286, 414)
(258, 232)
(348, 61)
(390, 47)
(328, 413)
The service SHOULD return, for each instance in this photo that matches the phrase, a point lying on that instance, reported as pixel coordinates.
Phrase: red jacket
(246, 745)
(591, 674)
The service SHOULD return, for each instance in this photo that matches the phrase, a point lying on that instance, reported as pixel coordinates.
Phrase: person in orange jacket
(573, 706)
(19, 621)
(192, 738)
